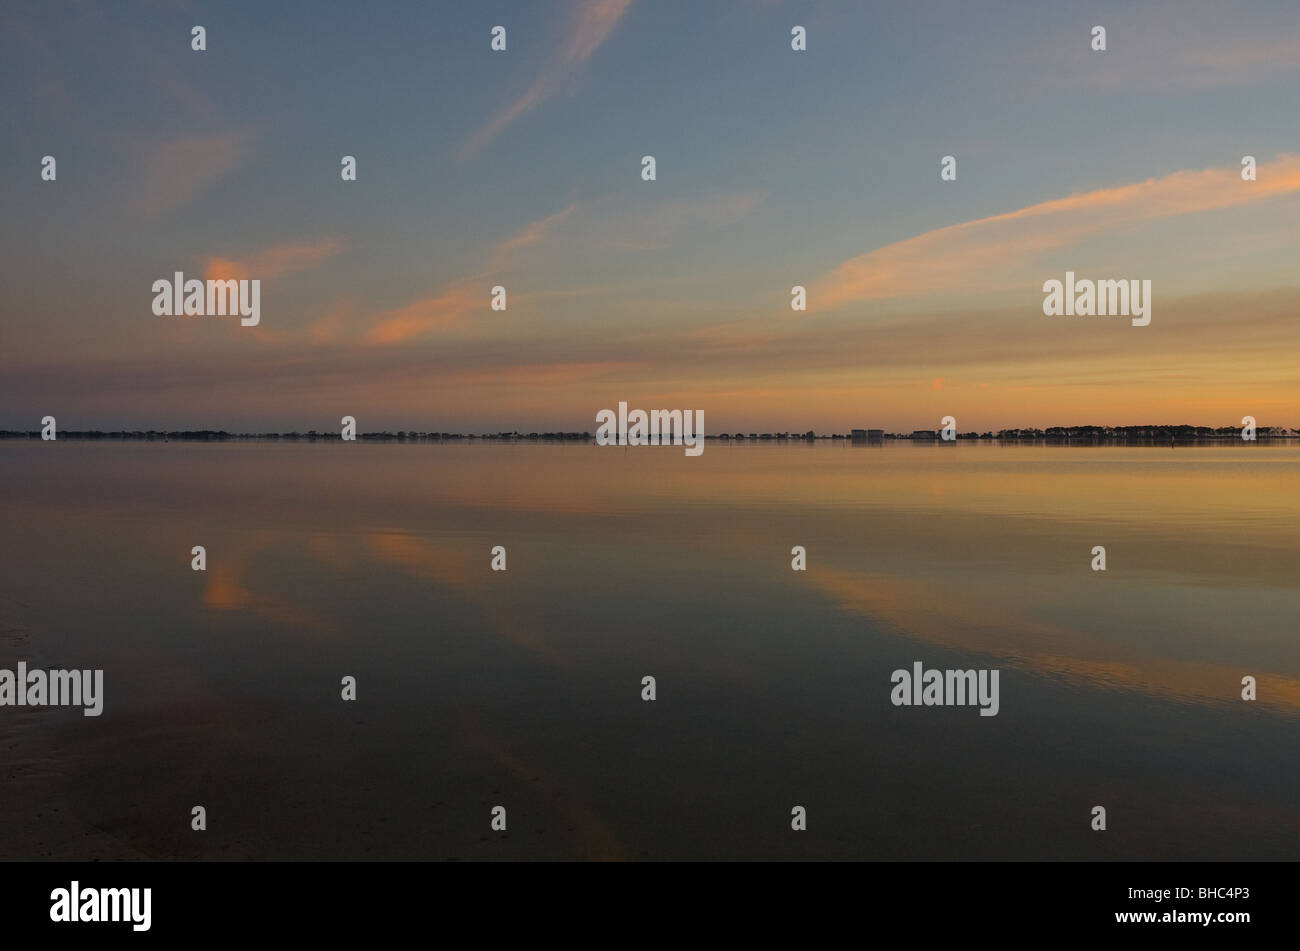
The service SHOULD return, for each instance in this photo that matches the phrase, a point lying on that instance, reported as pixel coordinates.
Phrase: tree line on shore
(1149, 433)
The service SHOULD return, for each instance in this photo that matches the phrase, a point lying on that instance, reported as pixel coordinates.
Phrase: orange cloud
(326, 329)
(988, 249)
(428, 314)
(275, 261)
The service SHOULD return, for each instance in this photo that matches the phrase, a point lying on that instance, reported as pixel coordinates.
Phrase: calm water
(522, 688)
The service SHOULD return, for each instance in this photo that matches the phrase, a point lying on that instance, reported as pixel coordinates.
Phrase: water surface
(522, 688)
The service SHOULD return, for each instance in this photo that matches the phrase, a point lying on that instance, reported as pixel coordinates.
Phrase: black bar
(488, 901)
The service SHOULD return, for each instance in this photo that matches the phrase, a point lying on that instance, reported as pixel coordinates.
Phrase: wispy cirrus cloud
(466, 295)
(657, 226)
(1235, 43)
(601, 225)
(988, 251)
(531, 235)
(429, 313)
(615, 223)
(180, 168)
(594, 20)
(275, 261)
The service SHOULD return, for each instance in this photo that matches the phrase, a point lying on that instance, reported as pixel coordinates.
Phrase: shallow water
(522, 688)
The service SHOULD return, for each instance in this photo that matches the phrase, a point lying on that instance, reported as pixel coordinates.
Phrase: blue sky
(774, 168)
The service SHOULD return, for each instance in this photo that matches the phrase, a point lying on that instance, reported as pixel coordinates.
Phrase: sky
(522, 169)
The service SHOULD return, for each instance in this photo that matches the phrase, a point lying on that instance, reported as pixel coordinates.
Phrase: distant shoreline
(1073, 435)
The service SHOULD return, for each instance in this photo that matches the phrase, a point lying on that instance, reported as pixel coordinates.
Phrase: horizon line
(1092, 432)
